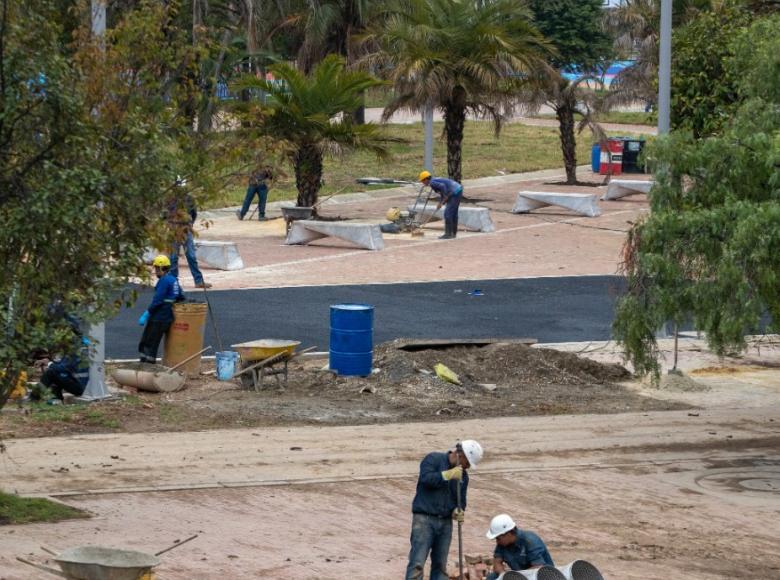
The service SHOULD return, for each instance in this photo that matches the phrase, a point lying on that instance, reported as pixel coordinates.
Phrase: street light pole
(428, 123)
(665, 68)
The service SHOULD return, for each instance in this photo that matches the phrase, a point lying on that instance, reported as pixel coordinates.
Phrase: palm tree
(312, 114)
(456, 55)
(570, 100)
(635, 25)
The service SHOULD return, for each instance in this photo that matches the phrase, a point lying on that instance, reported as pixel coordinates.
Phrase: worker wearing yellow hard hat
(450, 192)
(158, 317)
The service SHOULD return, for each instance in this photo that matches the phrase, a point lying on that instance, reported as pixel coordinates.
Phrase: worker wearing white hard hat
(435, 505)
(516, 549)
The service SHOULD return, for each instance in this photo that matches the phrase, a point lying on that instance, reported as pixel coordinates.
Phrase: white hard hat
(472, 450)
(501, 524)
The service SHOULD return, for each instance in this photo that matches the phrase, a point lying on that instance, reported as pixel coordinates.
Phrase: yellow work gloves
(454, 473)
(458, 515)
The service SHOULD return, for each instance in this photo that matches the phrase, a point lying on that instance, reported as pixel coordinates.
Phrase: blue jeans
(262, 195)
(430, 535)
(189, 253)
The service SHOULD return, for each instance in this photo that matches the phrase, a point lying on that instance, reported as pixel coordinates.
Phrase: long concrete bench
(618, 188)
(220, 255)
(363, 235)
(581, 203)
(475, 219)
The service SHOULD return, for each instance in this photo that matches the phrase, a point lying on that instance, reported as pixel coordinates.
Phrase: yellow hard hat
(161, 262)
(393, 214)
(424, 175)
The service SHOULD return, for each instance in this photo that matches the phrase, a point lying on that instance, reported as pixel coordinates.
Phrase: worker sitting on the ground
(71, 372)
(450, 192)
(516, 549)
(435, 505)
(158, 317)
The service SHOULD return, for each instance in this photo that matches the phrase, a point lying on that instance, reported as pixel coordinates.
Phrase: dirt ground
(645, 495)
(496, 380)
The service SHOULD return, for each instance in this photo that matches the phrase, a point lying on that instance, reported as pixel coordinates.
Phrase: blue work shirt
(446, 187)
(75, 365)
(166, 292)
(527, 551)
(436, 496)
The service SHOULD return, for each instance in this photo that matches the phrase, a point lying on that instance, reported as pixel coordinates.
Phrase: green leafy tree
(574, 28)
(458, 56)
(709, 251)
(311, 114)
(91, 142)
(704, 87)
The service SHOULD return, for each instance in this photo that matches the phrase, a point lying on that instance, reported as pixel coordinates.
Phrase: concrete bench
(581, 203)
(219, 255)
(475, 219)
(362, 234)
(618, 188)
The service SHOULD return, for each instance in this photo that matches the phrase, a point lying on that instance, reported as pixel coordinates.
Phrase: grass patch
(619, 117)
(90, 416)
(520, 148)
(25, 510)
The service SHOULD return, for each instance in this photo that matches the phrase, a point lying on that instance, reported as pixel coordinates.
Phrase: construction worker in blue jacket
(71, 372)
(158, 317)
(435, 505)
(450, 193)
(516, 549)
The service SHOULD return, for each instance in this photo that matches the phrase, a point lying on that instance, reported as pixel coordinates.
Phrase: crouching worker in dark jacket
(516, 549)
(70, 373)
(158, 317)
(435, 505)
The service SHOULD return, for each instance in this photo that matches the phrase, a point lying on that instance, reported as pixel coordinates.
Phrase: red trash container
(612, 158)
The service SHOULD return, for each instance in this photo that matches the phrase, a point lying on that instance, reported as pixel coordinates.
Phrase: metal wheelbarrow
(100, 563)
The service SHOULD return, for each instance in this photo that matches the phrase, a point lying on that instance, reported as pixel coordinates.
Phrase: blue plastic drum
(351, 339)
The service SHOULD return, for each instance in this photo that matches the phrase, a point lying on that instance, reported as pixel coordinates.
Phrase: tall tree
(458, 56)
(709, 251)
(574, 28)
(90, 142)
(311, 114)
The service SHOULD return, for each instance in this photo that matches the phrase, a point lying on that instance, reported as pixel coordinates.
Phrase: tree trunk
(564, 111)
(454, 119)
(308, 173)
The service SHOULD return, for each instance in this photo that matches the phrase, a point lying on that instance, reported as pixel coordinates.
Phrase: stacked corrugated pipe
(581, 570)
(543, 573)
(577, 570)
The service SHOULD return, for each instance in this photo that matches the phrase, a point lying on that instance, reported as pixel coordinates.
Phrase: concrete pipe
(581, 570)
(543, 573)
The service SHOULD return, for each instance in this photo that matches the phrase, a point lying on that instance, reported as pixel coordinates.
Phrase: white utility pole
(96, 387)
(427, 118)
(665, 68)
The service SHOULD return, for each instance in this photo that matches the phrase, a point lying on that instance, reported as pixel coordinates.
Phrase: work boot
(202, 285)
(447, 232)
(454, 229)
(239, 215)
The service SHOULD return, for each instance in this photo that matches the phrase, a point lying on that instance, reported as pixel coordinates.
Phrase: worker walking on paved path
(158, 317)
(516, 549)
(181, 216)
(259, 182)
(450, 192)
(435, 505)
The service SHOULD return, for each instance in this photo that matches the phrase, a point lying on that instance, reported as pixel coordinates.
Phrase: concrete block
(581, 203)
(220, 255)
(618, 188)
(475, 219)
(363, 235)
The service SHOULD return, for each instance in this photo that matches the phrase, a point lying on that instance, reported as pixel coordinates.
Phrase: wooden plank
(425, 343)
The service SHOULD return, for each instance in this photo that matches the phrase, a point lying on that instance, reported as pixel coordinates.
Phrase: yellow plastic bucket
(185, 337)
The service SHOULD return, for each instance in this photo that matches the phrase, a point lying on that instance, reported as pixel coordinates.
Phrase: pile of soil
(502, 379)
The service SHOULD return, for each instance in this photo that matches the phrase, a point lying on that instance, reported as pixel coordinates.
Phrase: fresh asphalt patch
(561, 309)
